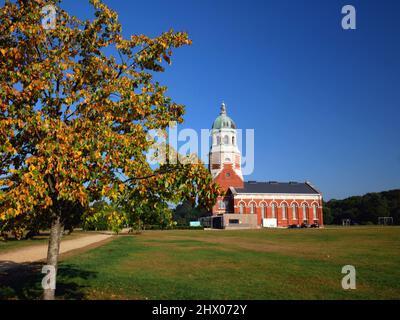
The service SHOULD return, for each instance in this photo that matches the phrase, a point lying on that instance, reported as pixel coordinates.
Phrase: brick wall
(225, 179)
(281, 220)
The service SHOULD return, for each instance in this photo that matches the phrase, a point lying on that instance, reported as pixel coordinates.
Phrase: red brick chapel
(255, 204)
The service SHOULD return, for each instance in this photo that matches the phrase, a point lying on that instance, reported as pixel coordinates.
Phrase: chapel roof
(277, 187)
(223, 121)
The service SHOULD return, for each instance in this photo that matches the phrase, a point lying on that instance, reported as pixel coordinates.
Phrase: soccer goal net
(385, 221)
(346, 222)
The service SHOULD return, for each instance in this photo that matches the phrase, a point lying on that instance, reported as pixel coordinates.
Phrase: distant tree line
(186, 212)
(364, 209)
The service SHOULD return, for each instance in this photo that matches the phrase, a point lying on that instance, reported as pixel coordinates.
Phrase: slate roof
(277, 187)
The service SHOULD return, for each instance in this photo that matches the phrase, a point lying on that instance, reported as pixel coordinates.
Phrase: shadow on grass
(23, 281)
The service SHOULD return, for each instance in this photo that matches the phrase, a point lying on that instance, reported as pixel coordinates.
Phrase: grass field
(251, 264)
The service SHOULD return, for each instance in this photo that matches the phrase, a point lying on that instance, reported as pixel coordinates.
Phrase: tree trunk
(52, 252)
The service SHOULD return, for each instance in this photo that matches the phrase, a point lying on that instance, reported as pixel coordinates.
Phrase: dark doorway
(217, 222)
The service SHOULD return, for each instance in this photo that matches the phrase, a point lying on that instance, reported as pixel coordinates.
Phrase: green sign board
(195, 223)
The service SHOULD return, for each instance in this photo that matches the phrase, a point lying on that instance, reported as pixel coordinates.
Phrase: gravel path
(39, 252)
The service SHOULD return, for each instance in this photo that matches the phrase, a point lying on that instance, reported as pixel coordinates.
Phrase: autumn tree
(76, 104)
(144, 200)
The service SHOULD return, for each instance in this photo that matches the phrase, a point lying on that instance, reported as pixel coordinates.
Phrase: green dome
(223, 121)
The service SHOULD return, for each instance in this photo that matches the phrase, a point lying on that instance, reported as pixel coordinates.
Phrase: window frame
(305, 212)
(226, 140)
(284, 211)
(273, 210)
(294, 211)
(263, 210)
(315, 212)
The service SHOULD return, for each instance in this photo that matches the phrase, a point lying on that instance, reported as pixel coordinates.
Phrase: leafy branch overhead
(74, 118)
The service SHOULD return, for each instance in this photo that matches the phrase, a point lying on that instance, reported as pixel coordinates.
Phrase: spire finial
(223, 108)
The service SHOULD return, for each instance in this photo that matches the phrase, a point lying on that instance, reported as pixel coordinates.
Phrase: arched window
(263, 210)
(273, 210)
(226, 140)
(221, 204)
(305, 211)
(284, 211)
(294, 211)
(315, 217)
(218, 140)
(253, 208)
(233, 140)
(241, 208)
(227, 205)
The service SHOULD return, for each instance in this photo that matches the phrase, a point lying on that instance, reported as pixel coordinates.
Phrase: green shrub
(95, 221)
(102, 216)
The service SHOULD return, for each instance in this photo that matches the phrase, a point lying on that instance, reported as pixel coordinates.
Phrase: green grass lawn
(253, 264)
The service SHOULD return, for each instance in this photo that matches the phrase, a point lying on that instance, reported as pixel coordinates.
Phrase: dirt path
(39, 252)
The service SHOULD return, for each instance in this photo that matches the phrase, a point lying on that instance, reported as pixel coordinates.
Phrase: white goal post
(385, 221)
(346, 222)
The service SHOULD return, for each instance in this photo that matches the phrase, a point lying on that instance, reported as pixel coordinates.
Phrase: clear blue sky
(324, 102)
